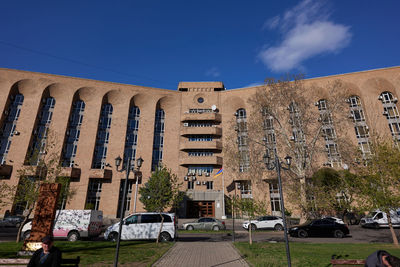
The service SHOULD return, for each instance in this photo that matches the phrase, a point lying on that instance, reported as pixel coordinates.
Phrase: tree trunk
(395, 241)
(22, 225)
(161, 226)
(250, 233)
(303, 201)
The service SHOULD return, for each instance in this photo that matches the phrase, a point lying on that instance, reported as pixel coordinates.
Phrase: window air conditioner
(204, 182)
(316, 103)
(185, 124)
(198, 182)
(185, 178)
(207, 174)
(347, 100)
(380, 97)
(351, 115)
(395, 100)
(292, 138)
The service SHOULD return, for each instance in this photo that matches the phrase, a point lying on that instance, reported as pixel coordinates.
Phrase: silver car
(205, 224)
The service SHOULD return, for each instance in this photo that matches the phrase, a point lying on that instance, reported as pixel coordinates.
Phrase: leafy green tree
(252, 208)
(331, 192)
(380, 179)
(160, 192)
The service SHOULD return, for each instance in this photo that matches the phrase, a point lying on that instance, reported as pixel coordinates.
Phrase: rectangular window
(332, 150)
(329, 133)
(93, 194)
(358, 115)
(391, 112)
(209, 185)
(361, 131)
(394, 128)
(190, 185)
(274, 197)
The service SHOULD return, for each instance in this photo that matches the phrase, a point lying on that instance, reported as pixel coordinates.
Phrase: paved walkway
(202, 254)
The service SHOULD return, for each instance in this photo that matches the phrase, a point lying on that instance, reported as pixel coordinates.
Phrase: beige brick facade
(206, 105)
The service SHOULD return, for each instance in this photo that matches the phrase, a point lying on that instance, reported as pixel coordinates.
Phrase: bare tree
(303, 121)
(42, 166)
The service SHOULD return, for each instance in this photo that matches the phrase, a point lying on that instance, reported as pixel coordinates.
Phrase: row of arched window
(39, 136)
(357, 115)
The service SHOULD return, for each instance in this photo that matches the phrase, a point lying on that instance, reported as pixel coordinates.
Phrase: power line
(82, 63)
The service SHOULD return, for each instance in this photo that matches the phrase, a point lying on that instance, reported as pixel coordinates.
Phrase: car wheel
(278, 227)
(215, 228)
(302, 234)
(113, 237)
(190, 228)
(338, 234)
(73, 236)
(164, 237)
(253, 227)
(26, 235)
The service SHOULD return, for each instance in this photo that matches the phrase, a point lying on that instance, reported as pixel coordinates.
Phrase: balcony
(201, 131)
(207, 116)
(210, 145)
(212, 160)
(100, 173)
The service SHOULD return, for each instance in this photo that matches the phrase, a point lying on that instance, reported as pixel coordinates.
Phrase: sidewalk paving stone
(202, 254)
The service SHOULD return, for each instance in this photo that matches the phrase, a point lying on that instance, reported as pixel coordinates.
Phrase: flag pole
(223, 197)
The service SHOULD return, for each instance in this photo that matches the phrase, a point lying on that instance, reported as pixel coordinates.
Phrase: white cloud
(213, 72)
(307, 32)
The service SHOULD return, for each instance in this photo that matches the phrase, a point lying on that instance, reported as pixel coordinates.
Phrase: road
(357, 235)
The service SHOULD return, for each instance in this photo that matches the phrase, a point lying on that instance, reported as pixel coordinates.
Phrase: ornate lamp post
(129, 166)
(277, 165)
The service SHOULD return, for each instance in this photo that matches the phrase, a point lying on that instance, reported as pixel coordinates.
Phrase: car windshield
(371, 214)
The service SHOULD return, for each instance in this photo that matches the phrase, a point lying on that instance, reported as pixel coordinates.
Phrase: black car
(319, 228)
(11, 221)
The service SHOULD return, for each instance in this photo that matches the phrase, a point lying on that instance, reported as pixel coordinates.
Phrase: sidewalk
(201, 254)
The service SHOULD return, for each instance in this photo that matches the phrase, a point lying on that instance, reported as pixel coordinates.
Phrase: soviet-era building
(93, 122)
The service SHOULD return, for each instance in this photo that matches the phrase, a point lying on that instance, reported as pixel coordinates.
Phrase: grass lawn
(307, 254)
(99, 253)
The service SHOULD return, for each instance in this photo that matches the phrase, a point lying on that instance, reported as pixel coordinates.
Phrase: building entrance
(196, 209)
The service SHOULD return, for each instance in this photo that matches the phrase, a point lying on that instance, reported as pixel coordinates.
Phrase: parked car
(206, 223)
(12, 221)
(319, 228)
(264, 222)
(73, 224)
(378, 219)
(145, 225)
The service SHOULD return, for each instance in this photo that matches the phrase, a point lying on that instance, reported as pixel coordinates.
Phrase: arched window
(158, 141)
(9, 125)
(39, 135)
(131, 134)
(73, 133)
(242, 138)
(391, 113)
(329, 134)
(360, 124)
(103, 134)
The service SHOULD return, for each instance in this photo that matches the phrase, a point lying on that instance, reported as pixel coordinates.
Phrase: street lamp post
(277, 165)
(129, 166)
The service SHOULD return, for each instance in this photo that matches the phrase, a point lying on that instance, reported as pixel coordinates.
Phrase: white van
(145, 225)
(73, 224)
(378, 218)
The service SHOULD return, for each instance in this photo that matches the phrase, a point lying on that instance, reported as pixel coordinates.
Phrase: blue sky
(159, 43)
